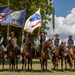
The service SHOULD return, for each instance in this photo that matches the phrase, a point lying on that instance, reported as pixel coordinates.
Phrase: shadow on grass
(20, 70)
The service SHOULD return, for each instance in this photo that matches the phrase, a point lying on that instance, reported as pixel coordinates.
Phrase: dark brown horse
(43, 54)
(2, 58)
(27, 53)
(12, 56)
(58, 53)
(71, 57)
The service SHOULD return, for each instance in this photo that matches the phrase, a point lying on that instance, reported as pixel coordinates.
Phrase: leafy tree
(31, 7)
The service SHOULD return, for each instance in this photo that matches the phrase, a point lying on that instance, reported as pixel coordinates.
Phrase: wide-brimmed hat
(26, 32)
(43, 31)
(12, 33)
(56, 35)
(70, 36)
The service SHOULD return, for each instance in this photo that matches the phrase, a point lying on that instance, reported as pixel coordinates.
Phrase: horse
(71, 56)
(58, 53)
(12, 56)
(27, 53)
(43, 54)
(2, 58)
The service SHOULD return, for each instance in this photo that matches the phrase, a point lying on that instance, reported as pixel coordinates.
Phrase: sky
(64, 19)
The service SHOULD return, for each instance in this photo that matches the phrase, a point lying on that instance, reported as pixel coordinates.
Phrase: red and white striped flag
(0, 18)
(33, 21)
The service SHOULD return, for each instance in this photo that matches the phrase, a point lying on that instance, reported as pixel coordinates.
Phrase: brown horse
(12, 56)
(2, 58)
(58, 53)
(71, 57)
(43, 54)
(27, 53)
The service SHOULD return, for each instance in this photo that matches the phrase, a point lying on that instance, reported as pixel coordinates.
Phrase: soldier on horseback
(43, 38)
(13, 40)
(26, 37)
(70, 41)
(57, 40)
(1, 43)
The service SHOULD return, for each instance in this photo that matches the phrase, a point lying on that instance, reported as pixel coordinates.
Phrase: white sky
(64, 26)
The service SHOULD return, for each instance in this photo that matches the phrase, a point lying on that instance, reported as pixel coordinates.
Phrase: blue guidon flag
(33, 21)
(16, 18)
(4, 10)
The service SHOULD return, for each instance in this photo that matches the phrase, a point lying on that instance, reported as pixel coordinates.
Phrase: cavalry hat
(26, 31)
(70, 36)
(56, 35)
(43, 31)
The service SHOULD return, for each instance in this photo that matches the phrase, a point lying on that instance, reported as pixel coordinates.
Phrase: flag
(16, 18)
(4, 10)
(33, 21)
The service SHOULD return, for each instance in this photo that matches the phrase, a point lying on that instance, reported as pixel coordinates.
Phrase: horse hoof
(41, 70)
(31, 70)
(9, 71)
(24, 70)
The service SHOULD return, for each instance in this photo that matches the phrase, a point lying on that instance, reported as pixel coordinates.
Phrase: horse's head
(63, 46)
(29, 43)
(49, 43)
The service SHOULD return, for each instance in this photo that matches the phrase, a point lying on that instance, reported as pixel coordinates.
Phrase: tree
(31, 7)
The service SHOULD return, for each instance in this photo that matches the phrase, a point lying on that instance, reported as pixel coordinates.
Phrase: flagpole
(53, 22)
(23, 33)
(22, 36)
(38, 34)
(8, 30)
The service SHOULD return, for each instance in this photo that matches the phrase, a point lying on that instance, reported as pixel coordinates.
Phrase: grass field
(36, 70)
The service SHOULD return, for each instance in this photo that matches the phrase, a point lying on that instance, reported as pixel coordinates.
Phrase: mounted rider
(25, 39)
(70, 41)
(1, 42)
(57, 40)
(13, 40)
(43, 38)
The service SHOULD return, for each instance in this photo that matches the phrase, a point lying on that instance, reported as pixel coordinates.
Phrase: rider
(57, 40)
(25, 39)
(70, 41)
(43, 38)
(12, 37)
(1, 43)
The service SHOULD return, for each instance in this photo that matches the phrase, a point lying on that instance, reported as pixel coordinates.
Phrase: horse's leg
(53, 61)
(9, 66)
(46, 65)
(31, 64)
(14, 65)
(25, 65)
(3, 60)
(56, 63)
(28, 64)
(65, 64)
(17, 63)
(70, 63)
(22, 63)
(74, 64)
(62, 64)
(41, 61)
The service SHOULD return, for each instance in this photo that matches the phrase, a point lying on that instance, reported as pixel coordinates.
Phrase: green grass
(36, 70)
